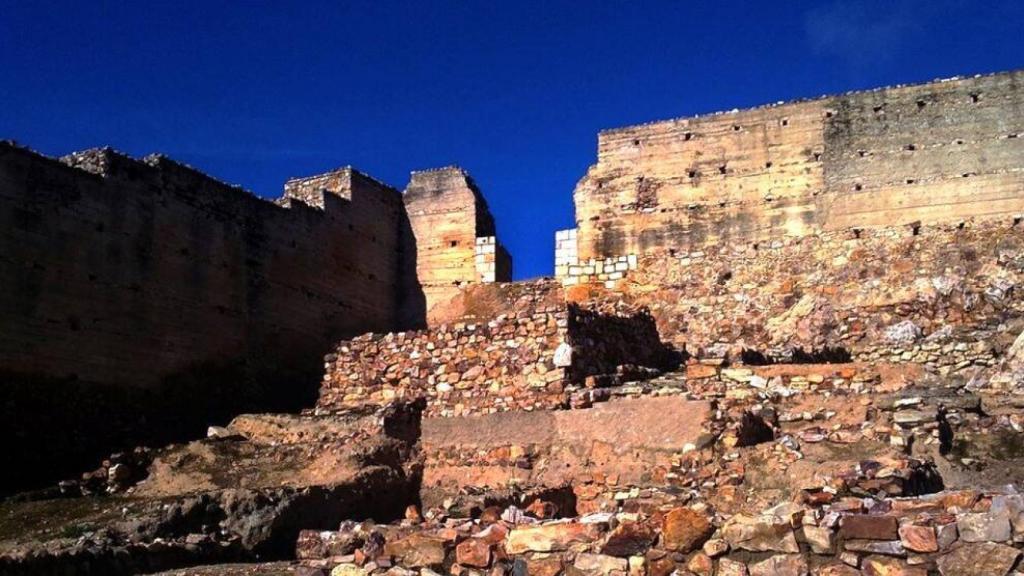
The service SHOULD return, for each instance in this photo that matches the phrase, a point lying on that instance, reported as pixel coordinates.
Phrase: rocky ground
(242, 494)
(717, 468)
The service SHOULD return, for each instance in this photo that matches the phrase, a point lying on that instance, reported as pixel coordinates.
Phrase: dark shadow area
(53, 429)
(826, 355)
(604, 342)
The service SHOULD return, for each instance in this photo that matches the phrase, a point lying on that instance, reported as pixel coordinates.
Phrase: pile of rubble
(951, 533)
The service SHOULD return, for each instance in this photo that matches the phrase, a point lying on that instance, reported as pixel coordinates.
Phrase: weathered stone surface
(448, 215)
(654, 186)
(838, 570)
(887, 547)
(918, 538)
(869, 527)
(418, 550)
(684, 530)
(984, 527)
(549, 537)
(886, 566)
(629, 539)
(701, 564)
(979, 559)
(821, 539)
(474, 552)
(715, 547)
(1011, 505)
(506, 363)
(727, 567)
(124, 382)
(760, 534)
(347, 570)
(600, 564)
(781, 565)
(660, 566)
(321, 544)
(541, 566)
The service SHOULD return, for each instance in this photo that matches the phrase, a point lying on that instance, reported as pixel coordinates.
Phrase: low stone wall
(627, 442)
(532, 358)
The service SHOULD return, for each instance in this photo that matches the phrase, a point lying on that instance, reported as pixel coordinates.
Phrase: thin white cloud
(865, 33)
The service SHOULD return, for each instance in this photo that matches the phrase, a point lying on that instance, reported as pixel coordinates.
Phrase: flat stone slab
(666, 423)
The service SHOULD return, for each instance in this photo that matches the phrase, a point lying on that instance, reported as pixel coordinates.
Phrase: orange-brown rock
(549, 537)
(684, 530)
(474, 552)
(918, 538)
(540, 566)
(417, 550)
(542, 509)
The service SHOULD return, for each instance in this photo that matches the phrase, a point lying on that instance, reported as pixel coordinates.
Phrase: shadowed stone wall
(142, 301)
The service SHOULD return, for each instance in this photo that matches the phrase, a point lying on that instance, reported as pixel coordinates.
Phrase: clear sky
(515, 92)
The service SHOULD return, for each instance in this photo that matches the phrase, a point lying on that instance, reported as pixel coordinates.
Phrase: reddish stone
(869, 527)
(490, 515)
(919, 538)
(493, 534)
(550, 537)
(417, 549)
(550, 566)
(701, 564)
(542, 509)
(661, 567)
(473, 552)
(684, 530)
(698, 371)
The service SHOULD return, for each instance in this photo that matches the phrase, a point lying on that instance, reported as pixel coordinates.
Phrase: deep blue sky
(515, 92)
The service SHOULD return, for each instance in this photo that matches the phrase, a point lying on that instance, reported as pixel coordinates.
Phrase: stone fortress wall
(143, 300)
(455, 234)
(936, 152)
(817, 224)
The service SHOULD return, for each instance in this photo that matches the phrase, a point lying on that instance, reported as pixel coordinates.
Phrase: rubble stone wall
(505, 364)
(135, 287)
(934, 152)
(530, 358)
(944, 296)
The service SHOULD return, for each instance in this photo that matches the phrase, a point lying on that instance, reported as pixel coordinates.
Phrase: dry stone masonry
(531, 357)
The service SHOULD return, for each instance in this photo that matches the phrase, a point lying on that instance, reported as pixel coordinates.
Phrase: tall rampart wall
(933, 153)
(142, 300)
